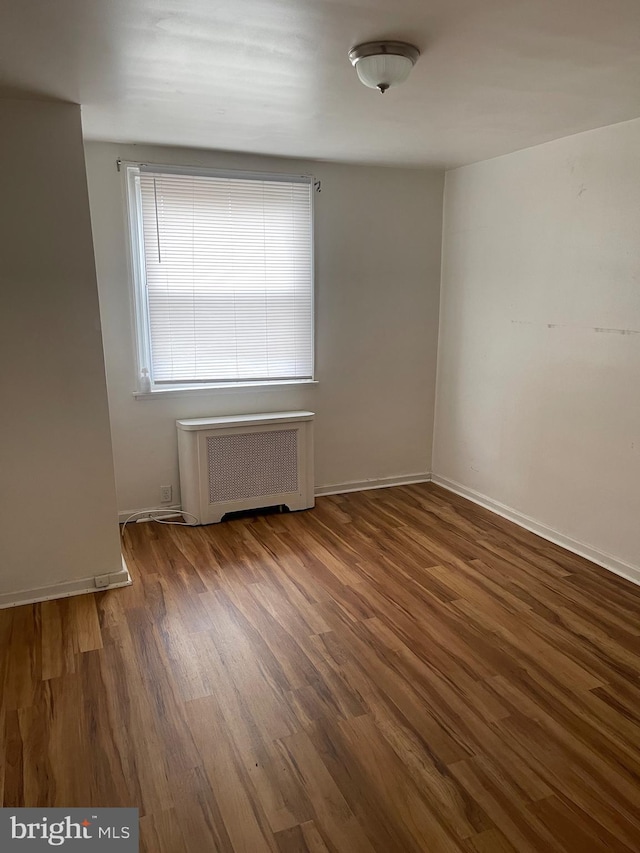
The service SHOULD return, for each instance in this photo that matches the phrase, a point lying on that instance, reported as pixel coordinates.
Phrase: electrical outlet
(166, 494)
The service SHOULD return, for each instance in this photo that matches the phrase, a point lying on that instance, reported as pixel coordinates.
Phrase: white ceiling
(272, 76)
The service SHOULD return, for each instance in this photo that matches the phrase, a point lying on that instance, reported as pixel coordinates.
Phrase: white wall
(378, 239)
(538, 402)
(57, 504)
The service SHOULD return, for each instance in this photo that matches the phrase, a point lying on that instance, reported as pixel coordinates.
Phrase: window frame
(137, 273)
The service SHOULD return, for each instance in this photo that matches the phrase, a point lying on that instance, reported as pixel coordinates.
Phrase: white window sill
(203, 390)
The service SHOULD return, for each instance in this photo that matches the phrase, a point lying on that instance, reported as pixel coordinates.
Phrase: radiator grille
(249, 465)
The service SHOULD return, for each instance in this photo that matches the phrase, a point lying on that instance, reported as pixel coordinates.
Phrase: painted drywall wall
(57, 505)
(377, 252)
(539, 354)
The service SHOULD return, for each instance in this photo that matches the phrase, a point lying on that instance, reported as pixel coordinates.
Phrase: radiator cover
(245, 462)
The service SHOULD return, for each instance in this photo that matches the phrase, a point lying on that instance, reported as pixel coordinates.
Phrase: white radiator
(245, 462)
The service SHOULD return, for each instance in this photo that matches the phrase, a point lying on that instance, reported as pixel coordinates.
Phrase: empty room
(320, 435)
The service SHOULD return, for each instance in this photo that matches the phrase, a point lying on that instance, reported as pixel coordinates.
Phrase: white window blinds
(226, 264)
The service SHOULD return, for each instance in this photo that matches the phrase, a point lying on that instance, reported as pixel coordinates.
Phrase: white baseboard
(65, 589)
(364, 485)
(607, 561)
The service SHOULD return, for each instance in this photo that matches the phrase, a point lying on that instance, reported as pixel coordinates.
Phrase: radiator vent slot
(251, 465)
(243, 462)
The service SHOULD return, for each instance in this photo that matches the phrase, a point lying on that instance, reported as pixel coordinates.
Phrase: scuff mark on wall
(617, 331)
(600, 329)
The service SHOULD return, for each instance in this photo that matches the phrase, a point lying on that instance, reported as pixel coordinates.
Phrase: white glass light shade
(383, 70)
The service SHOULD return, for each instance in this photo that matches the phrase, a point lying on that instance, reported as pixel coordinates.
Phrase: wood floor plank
(55, 657)
(395, 671)
(396, 813)
(304, 838)
(573, 828)
(491, 841)
(331, 812)
(161, 833)
(522, 828)
(23, 659)
(245, 822)
(199, 816)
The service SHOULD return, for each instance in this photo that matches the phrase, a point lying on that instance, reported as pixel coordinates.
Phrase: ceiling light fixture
(382, 64)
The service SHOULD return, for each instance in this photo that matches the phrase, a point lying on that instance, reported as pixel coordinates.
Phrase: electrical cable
(178, 523)
(148, 512)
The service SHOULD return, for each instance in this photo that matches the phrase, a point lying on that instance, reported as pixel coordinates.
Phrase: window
(223, 274)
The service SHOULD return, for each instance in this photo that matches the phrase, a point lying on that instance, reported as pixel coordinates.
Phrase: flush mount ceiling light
(382, 64)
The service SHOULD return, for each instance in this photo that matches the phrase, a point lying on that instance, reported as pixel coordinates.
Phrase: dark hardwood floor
(394, 671)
